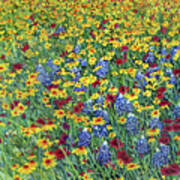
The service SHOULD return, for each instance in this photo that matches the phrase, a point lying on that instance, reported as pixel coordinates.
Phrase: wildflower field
(89, 89)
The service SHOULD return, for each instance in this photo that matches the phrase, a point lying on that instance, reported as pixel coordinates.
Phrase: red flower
(66, 126)
(40, 121)
(155, 38)
(3, 56)
(124, 48)
(163, 30)
(174, 166)
(161, 90)
(25, 48)
(97, 82)
(160, 95)
(17, 66)
(168, 128)
(169, 171)
(110, 98)
(164, 140)
(167, 121)
(178, 153)
(52, 25)
(124, 157)
(63, 139)
(123, 89)
(176, 127)
(116, 143)
(60, 154)
(176, 72)
(164, 103)
(2, 115)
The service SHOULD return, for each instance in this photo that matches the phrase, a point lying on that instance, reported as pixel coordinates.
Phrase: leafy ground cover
(89, 89)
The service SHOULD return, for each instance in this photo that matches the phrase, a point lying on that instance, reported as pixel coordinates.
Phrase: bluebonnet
(88, 107)
(132, 124)
(123, 105)
(100, 131)
(77, 49)
(141, 79)
(103, 70)
(173, 79)
(159, 159)
(176, 111)
(84, 138)
(43, 76)
(77, 73)
(60, 29)
(84, 62)
(100, 100)
(164, 149)
(104, 154)
(156, 123)
(54, 67)
(142, 146)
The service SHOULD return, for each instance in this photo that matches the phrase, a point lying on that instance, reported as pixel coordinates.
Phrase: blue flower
(100, 131)
(123, 105)
(176, 111)
(88, 107)
(77, 49)
(54, 67)
(132, 124)
(156, 123)
(164, 149)
(60, 29)
(84, 138)
(103, 70)
(159, 159)
(142, 146)
(104, 154)
(43, 76)
(173, 79)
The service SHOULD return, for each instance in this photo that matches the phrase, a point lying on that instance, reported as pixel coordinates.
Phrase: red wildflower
(164, 140)
(167, 120)
(178, 120)
(164, 103)
(40, 121)
(167, 171)
(124, 157)
(62, 139)
(110, 98)
(161, 90)
(60, 154)
(155, 38)
(176, 72)
(97, 82)
(120, 61)
(124, 89)
(66, 126)
(53, 25)
(163, 30)
(25, 48)
(17, 66)
(3, 56)
(167, 128)
(124, 48)
(160, 95)
(176, 127)
(116, 143)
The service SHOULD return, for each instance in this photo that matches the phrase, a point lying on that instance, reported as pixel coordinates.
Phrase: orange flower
(98, 121)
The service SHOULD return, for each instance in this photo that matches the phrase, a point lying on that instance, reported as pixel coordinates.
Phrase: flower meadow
(89, 90)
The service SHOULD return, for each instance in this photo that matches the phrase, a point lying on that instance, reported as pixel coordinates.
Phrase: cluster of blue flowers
(84, 138)
(104, 68)
(156, 123)
(161, 158)
(104, 154)
(132, 124)
(123, 105)
(46, 77)
(142, 146)
(176, 111)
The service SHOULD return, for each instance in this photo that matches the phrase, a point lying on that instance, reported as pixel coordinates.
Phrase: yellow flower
(132, 166)
(120, 163)
(112, 134)
(153, 132)
(47, 45)
(2, 124)
(155, 113)
(16, 177)
(26, 169)
(122, 120)
(59, 113)
(49, 162)
(80, 151)
(44, 143)
(15, 166)
(98, 121)
(147, 93)
(95, 96)
(177, 138)
(3, 67)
